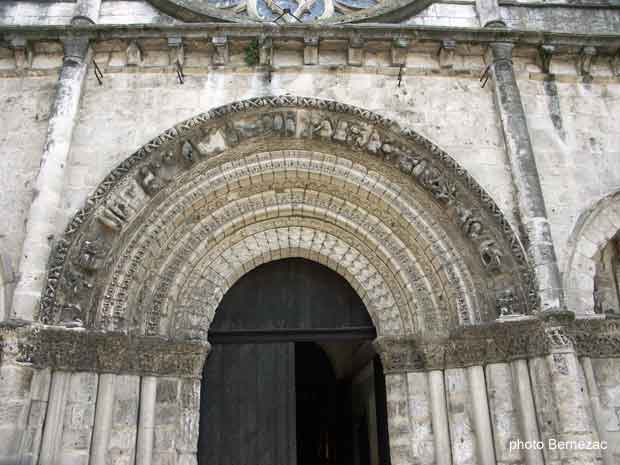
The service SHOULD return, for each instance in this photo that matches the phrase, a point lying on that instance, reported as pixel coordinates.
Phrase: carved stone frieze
(501, 342)
(109, 213)
(113, 352)
(102, 352)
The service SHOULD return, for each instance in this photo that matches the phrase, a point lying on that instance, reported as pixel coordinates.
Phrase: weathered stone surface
(165, 234)
(62, 349)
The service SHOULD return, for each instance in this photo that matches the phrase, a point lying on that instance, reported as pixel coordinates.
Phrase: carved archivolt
(176, 224)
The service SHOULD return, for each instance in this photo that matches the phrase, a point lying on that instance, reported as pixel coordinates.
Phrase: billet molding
(84, 251)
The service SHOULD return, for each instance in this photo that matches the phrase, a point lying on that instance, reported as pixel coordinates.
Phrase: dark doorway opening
(292, 378)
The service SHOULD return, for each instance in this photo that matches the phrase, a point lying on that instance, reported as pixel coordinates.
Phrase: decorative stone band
(106, 352)
(101, 352)
(501, 342)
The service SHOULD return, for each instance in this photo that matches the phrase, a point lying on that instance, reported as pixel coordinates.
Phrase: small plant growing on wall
(252, 53)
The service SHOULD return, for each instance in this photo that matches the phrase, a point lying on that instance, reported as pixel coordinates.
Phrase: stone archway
(264, 166)
(143, 266)
(593, 229)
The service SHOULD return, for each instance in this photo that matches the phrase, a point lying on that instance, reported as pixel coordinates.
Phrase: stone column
(560, 392)
(527, 411)
(439, 418)
(103, 419)
(525, 178)
(482, 419)
(489, 13)
(41, 226)
(595, 400)
(146, 422)
(54, 420)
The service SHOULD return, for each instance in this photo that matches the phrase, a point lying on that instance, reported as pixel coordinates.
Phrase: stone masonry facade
(456, 162)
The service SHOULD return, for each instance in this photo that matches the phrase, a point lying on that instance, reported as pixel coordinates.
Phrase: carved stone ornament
(99, 230)
(288, 11)
(79, 350)
(501, 342)
(110, 352)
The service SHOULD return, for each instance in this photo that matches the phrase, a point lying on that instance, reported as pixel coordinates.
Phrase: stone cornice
(60, 348)
(368, 32)
(502, 342)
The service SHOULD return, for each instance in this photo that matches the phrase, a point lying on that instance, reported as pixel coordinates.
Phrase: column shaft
(482, 419)
(595, 400)
(54, 420)
(439, 418)
(103, 419)
(525, 178)
(41, 226)
(146, 422)
(527, 412)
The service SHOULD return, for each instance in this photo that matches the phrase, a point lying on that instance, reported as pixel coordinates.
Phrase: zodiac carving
(89, 254)
(557, 337)
(469, 223)
(505, 303)
(76, 283)
(323, 129)
(114, 216)
(149, 181)
(71, 315)
(490, 255)
(187, 151)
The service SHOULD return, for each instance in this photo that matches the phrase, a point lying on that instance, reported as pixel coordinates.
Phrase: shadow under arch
(227, 185)
(292, 376)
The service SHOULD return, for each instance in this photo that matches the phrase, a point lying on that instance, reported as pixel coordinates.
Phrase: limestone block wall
(16, 12)
(571, 119)
(453, 112)
(574, 132)
(25, 104)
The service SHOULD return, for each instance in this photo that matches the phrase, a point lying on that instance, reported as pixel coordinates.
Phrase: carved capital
(502, 341)
(102, 352)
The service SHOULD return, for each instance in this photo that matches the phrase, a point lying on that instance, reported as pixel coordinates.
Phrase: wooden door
(249, 399)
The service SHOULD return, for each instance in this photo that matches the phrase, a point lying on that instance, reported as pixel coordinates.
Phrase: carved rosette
(90, 246)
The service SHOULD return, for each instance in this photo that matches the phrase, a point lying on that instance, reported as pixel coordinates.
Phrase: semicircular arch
(249, 178)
